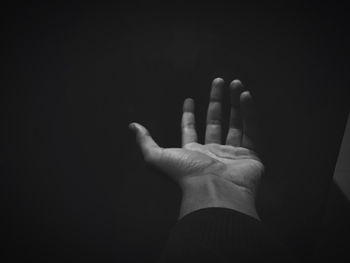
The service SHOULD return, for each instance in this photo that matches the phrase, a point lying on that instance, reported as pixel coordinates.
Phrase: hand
(212, 174)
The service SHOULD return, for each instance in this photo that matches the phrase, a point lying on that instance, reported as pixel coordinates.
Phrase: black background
(75, 75)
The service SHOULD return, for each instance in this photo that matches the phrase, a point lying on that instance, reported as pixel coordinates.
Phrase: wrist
(212, 191)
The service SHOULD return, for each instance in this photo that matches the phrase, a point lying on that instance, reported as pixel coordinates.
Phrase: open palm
(235, 162)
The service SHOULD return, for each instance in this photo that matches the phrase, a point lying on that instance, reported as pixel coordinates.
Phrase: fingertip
(218, 81)
(236, 81)
(135, 126)
(245, 95)
(188, 105)
(247, 104)
(217, 89)
(236, 84)
(131, 126)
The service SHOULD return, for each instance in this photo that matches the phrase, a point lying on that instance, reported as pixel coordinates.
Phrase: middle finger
(213, 129)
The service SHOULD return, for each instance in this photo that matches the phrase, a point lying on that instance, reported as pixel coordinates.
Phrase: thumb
(149, 148)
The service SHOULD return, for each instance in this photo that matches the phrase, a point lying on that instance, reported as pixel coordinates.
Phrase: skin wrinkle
(218, 154)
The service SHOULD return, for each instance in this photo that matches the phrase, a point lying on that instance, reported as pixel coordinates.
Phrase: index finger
(213, 129)
(188, 124)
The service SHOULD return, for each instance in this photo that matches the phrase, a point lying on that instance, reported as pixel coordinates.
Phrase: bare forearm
(211, 191)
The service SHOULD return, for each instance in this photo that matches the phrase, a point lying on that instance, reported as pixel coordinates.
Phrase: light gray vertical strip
(342, 169)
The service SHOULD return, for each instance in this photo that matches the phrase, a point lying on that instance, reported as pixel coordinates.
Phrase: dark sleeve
(222, 235)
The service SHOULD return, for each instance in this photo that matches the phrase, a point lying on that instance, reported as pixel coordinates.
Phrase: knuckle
(189, 125)
(214, 122)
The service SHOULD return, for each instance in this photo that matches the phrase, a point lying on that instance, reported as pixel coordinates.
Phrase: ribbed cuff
(221, 235)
